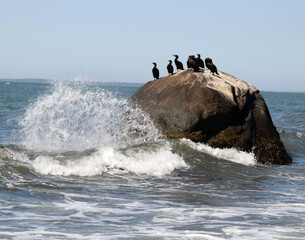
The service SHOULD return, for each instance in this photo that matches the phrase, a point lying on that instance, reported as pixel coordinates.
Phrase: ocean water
(82, 164)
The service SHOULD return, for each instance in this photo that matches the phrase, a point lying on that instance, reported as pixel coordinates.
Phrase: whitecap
(148, 161)
(230, 154)
(299, 135)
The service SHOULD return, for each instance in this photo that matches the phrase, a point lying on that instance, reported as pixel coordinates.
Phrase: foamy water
(154, 162)
(230, 154)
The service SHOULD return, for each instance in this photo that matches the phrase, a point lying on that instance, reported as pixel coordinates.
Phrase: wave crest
(151, 161)
(230, 154)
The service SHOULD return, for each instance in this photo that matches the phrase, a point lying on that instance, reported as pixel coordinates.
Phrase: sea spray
(77, 116)
(78, 129)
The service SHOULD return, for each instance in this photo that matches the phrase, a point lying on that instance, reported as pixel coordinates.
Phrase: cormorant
(155, 71)
(199, 61)
(208, 60)
(209, 64)
(191, 63)
(179, 64)
(170, 67)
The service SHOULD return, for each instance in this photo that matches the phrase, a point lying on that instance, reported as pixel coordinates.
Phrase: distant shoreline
(30, 80)
(113, 84)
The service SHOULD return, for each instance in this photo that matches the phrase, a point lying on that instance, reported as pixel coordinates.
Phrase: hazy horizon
(261, 42)
(123, 84)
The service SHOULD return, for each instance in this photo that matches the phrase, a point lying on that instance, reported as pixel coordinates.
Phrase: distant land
(30, 80)
(113, 84)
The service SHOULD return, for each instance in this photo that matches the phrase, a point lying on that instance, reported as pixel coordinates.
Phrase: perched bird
(209, 64)
(191, 63)
(170, 67)
(208, 60)
(199, 61)
(179, 64)
(155, 71)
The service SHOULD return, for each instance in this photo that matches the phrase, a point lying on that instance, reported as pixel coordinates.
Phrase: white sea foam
(230, 154)
(77, 116)
(299, 135)
(109, 213)
(154, 162)
(170, 220)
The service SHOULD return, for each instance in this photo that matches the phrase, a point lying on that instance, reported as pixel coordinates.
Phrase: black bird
(209, 64)
(191, 63)
(179, 64)
(208, 60)
(155, 71)
(199, 61)
(170, 67)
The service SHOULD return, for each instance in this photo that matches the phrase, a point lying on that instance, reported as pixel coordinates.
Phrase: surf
(102, 130)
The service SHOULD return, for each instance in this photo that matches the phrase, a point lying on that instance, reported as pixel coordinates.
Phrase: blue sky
(262, 42)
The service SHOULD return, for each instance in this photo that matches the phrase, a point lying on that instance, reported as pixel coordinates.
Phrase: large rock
(221, 111)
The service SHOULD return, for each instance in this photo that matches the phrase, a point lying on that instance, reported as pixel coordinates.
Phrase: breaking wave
(104, 133)
(154, 162)
(230, 154)
(78, 117)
